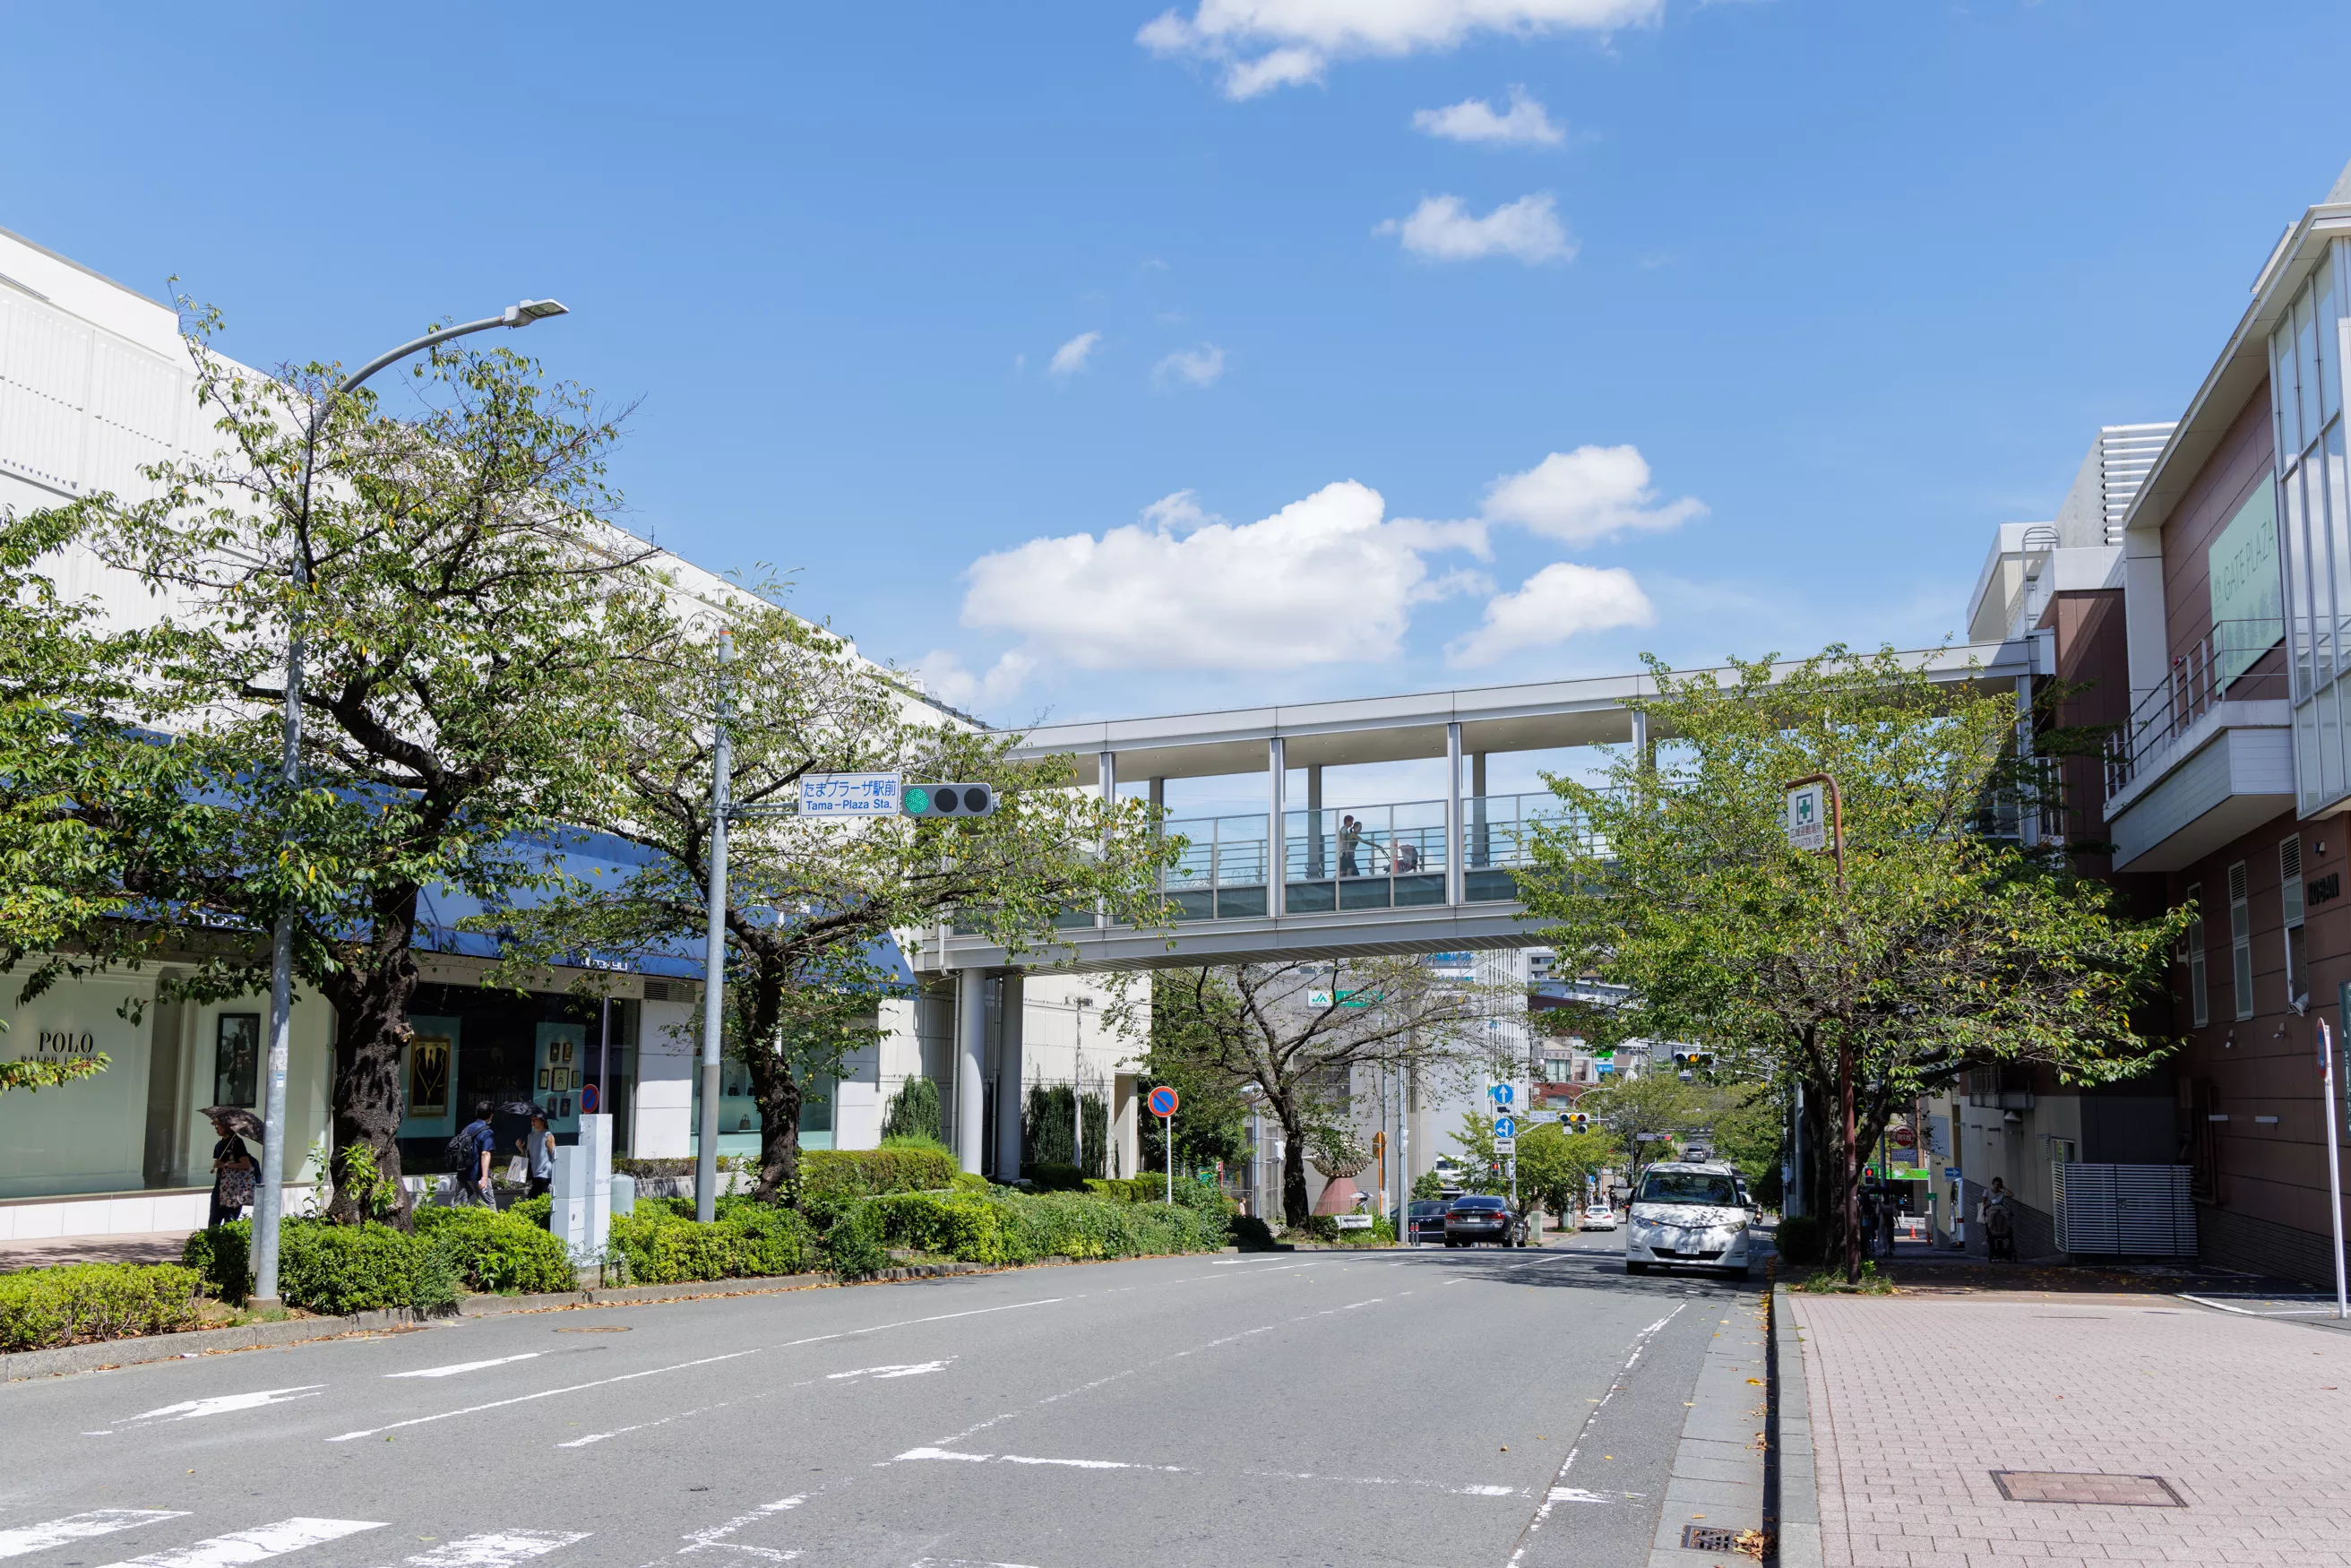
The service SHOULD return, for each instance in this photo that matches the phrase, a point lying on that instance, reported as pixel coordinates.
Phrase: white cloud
(1326, 579)
(1443, 230)
(945, 677)
(1524, 124)
(1070, 357)
(1266, 44)
(1549, 607)
(1587, 495)
(1201, 367)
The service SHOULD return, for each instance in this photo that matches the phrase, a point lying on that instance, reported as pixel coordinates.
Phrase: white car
(1688, 1216)
(1599, 1216)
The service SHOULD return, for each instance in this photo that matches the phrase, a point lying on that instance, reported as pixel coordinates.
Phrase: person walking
(1998, 1221)
(475, 1146)
(538, 1148)
(232, 1172)
(1351, 838)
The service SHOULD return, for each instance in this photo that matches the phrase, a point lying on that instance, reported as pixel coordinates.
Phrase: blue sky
(1768, 314)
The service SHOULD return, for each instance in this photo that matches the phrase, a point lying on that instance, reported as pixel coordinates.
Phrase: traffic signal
(1578, 1121)
(948, 800)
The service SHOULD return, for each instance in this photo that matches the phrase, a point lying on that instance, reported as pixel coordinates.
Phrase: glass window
(2305, 365)
(2281, 390)
(236, 1059)
(2330, 368)
(2200, 1003)
(2240, 941)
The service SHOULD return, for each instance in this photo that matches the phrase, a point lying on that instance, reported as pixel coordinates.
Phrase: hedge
(82, 1301)
(1021, 1227)
(345, 1269)
(832, 1174)
(663, 1245)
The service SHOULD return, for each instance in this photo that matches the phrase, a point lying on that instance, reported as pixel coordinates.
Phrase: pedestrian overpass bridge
(1288, 882)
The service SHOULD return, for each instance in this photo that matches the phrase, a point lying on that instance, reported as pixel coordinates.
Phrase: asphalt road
(1407, 1408)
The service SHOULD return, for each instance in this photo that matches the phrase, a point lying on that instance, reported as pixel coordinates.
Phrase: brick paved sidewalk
(1915, 1402)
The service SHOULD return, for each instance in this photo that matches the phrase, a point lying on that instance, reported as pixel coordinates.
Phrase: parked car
(1475, 1217)
(1688, 1216)
(1597, 1216)
(1425, 1220)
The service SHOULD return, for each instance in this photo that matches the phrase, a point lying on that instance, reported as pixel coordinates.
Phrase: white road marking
(1552, 1498)
(1577, 1494)
(1091, 1464)
(189, 1409)
(912, 1369)
(683, 1365)
(456, 1367)
(51, 1532)
(714, 1538)
(960, 1563)
(1374, 1301)
(245, 1546)
(942, 1454)
(1485, 1491)
(1388, 1482)
(499, 1549)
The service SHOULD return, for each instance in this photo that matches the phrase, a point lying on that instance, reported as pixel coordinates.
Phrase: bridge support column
(1453, 882)
(1277, 858)
(1012, 1006)
(971, 1050)
(1106, 765)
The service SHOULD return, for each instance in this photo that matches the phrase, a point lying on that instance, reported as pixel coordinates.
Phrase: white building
(95, 383)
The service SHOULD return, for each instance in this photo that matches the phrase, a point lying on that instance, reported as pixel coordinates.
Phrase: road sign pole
(2334, 1165)
(1167, 1138)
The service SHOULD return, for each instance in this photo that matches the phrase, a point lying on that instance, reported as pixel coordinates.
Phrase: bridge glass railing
(1498, 833)
(1363, 857)
(1221, 873)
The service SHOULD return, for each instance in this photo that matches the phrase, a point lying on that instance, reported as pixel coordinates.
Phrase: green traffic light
(918, 801)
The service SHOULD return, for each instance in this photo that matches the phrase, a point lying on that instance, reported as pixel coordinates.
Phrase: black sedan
(1474, 1217)
(1425, 1220)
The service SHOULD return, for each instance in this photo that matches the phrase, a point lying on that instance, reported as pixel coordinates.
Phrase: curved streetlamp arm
(521, 315)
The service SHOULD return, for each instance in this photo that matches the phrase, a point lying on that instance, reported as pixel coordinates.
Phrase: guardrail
(2216, 667)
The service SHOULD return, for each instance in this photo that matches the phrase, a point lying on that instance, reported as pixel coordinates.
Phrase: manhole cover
(1707, 1538)
(606, 1328)
(2063, 1486)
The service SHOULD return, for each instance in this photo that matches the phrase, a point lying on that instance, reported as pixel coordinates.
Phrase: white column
(1453, 883)
(1640, 738)
(1106, 767)
(971, 1046)
(1277, 770)
(1008, 1081)
(1125, 1135)
(2028, 827)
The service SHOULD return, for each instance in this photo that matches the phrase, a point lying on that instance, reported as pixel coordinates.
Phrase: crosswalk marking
(453, 1370)
(51, 1532)
(498, 1548)
(243, 1546)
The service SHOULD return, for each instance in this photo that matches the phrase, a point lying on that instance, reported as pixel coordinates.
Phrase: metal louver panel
(2132, 1211)
(2126, 454)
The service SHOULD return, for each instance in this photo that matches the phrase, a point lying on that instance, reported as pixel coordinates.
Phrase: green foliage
(218, 1256)
(1056, 1178)
(1799, 1239)
(1427, 1187)
(538, 1211)
(343, 1269)
(1554, 1165)
(1139, 1189)
(34, 1073)
(663, 1245)
(854, 1240)
(1049, 1129)
(914, 1112)
(1938, 945)
(507, 1251)
(1325, 1229)
(1006, 1227)
(84, 1302)
(828, 1175)
(1481, 1166)
(1249, 1233)
(1868, 1281)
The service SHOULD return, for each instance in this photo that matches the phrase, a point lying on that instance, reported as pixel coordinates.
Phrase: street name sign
(1808, 824)
(849, 794)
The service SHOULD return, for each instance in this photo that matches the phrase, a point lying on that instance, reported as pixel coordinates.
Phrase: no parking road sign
(1163, 1101)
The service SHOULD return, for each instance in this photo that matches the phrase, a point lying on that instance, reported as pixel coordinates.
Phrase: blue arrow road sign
(1506, 1127)
(1502, 1093)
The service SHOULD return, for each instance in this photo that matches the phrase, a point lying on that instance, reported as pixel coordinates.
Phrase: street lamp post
(268, 1196)
(714, 952)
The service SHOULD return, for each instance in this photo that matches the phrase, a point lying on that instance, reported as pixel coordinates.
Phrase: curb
(1791, 1500)
(1718, 1474)
(106, 1355)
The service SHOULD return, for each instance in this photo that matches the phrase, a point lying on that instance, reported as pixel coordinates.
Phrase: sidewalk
(1917, 1401)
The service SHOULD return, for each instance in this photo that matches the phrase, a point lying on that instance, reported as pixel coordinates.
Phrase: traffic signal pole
(1844, 1047)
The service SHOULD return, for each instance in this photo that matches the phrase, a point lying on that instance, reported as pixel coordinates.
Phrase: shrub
(914, 1112)
(538, 1211)
(218, 1258)
(662, 1244)
(1799, 1239)
(853, 1244)
(1006, 1227)
(494, 1252)
(828, 1175)
(343, 1269)
(1056, 1178)
(83, 1301)
(1250, 1233)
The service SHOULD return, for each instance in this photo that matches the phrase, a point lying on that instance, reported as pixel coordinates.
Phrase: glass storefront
(2314, 522)
(548, 1049)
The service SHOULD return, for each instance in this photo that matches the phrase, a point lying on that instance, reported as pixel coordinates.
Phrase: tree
(1481, 1166)
(464, 603)
(1647, 1113)
(1299, 1032)
(810, 900)
(1555, 1165)
(1941, 946)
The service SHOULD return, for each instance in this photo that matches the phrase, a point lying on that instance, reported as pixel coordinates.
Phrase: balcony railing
(2216, 667)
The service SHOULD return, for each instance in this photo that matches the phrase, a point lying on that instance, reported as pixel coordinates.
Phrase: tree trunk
(371, 998)
(779, 1131)
(1848, 1167)
(1294, 1204)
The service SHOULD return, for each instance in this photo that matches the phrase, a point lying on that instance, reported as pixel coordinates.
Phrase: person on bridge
(1351, 838)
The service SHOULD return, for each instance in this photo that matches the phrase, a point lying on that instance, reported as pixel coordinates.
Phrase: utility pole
(714, 955)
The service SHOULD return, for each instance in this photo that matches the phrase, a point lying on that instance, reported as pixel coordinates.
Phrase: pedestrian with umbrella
(233, 1167)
